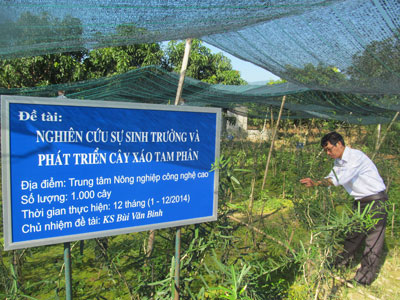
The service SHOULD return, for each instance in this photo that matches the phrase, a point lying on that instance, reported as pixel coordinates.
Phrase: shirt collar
(345, 156)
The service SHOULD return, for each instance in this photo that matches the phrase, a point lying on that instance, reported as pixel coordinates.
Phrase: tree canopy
(203, 64)
(90, 64)
(378, 64)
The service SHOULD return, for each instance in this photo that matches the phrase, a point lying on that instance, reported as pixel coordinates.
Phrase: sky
(248, 71)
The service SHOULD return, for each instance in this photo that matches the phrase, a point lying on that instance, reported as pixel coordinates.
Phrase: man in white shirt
(359, 176)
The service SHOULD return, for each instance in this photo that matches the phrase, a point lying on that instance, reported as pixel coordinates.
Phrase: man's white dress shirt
(357, 174)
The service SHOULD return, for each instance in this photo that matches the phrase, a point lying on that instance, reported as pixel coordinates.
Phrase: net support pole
(185, 61)
(68, 272)
(384, 136)
(378, 135)
(272, 143)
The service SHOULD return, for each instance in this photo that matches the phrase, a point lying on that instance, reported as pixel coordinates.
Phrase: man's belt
(380, 196)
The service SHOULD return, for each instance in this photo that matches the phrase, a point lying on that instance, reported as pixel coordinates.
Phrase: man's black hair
(332, 137)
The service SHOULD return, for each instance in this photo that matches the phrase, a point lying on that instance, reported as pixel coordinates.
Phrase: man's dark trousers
(374, 240)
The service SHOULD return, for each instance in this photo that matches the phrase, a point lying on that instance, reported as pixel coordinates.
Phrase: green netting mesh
(44, 26)
(155, 85)
(338, 46)
(342, 58)
(349, 46)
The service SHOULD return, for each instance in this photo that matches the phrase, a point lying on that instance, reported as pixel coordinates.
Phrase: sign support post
(177, 262)
(68, 271)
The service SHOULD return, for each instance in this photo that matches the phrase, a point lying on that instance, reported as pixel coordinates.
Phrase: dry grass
(385, 287)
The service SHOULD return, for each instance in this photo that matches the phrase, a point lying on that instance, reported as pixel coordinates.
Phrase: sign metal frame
(9, 244)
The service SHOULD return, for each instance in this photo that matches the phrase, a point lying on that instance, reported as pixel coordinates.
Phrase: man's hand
(308, 182)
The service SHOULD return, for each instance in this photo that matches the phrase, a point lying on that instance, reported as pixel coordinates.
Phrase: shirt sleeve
(332, 177)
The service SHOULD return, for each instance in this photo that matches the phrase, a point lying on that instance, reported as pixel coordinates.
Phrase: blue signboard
(76, 169)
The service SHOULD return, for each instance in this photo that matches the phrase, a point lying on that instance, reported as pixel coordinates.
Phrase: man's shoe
(355, 282)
